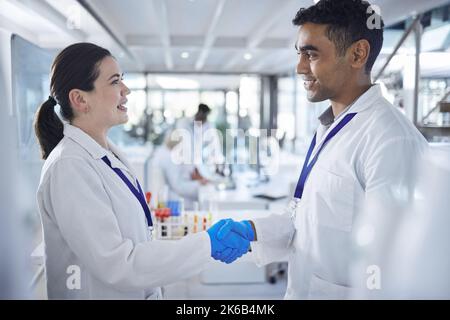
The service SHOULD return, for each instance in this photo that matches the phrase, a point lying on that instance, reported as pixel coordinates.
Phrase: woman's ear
(78, 101)
(359, 53)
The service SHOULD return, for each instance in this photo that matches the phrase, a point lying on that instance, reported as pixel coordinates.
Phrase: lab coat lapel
(362, 103)
(84, 140)
(123, 164)
(320, 136)
(96, 151)
(322, 133)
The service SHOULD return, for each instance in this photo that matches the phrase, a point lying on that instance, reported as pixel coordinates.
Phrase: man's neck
(348, 98)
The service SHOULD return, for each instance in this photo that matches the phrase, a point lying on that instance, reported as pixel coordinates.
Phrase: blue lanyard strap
(307, 166)
(137, 193)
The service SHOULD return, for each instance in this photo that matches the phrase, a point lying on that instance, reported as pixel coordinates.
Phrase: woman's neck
(99, 135)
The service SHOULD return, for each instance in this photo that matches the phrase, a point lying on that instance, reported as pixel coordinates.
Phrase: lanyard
(137, 193)
(308, 167)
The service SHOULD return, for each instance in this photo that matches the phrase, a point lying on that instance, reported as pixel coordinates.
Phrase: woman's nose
(126, 91)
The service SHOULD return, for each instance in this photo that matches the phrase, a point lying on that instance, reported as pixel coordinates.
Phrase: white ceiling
(151, 35)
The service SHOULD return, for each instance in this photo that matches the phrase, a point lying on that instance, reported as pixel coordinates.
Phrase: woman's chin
(123, 119)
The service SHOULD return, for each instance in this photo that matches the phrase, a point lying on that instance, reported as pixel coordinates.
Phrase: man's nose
(303, 65)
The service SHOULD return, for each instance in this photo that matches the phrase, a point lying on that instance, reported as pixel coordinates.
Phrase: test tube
(213, 207)
(209, 219)
(185, 224)
(167, 214)
(204, 224)
(195, 223)
(148, 197)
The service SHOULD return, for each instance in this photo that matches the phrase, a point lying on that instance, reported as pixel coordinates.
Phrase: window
(231, 107)
(286, 110)
(249, 101)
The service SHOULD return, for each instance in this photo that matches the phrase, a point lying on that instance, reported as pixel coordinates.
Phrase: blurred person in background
(206, 140)
(183, 180)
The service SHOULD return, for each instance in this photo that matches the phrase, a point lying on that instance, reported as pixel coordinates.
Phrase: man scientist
(363, 148)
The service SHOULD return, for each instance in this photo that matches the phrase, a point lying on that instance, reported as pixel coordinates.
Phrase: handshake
(230, 239)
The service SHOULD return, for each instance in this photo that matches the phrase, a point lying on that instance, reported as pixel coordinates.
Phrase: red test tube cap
(148, 197)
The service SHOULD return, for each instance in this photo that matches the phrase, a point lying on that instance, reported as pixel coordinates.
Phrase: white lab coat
(419, 259)
(373, 154)
(177, 177)
(92, 221)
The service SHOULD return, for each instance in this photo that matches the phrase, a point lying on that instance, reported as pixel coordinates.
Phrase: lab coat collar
(84, 140)
(365, 101)
(97, 151)
(361, 103)
(123, 163)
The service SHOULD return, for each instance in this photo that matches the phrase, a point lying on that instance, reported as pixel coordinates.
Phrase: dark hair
(203, 108)
(76, 67)
(348, 21)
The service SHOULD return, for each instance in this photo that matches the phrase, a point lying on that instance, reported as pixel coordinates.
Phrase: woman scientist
(95, 220)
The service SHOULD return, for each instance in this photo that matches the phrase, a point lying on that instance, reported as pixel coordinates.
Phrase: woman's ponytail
(48, 127)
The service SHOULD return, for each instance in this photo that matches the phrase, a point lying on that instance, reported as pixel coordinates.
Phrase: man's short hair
(347, 22)
(203, 108)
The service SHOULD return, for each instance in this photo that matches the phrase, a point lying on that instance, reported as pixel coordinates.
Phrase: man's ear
(78, 101)
(359, 53)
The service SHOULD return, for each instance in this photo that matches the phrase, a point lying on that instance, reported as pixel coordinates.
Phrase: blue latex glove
(237, 246)
(230, 247)
(216, 245)
(229, 255)
(232, 239)
(244, 228)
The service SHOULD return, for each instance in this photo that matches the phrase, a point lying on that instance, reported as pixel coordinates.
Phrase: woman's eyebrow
(116, 75)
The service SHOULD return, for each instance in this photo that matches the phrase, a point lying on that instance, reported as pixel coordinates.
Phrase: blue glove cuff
(250, 233)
